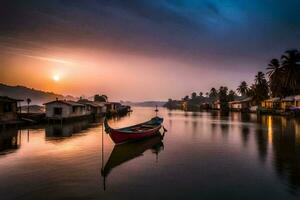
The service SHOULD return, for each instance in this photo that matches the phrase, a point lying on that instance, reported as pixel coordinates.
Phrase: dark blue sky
(226, 35)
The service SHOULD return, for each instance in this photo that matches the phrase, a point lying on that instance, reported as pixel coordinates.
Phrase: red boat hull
(121, 137)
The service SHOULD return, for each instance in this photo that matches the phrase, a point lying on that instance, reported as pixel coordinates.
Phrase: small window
(7, 107)
(74, 109)
(57, 111)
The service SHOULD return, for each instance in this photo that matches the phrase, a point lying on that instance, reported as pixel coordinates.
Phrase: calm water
(203, 155)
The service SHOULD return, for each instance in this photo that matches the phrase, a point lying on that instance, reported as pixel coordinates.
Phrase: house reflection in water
(66, 129)
(284, 137)
(9, 141)
(277, 140)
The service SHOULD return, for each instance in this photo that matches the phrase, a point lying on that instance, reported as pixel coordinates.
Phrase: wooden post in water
(27, 135)
(20, 137)
(102, 157)
(156, 110)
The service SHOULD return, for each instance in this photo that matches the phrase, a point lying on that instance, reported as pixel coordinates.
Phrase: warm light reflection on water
(270, 130)
(203, 155)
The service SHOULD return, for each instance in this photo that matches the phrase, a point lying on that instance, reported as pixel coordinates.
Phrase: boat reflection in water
(125, 152)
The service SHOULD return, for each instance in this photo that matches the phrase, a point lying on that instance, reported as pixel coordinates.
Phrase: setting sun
(56, 78)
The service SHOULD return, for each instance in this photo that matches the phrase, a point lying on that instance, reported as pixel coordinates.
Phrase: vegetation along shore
(275, 92)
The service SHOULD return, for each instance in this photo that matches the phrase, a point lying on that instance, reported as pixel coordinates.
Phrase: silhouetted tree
(213, 94)
(194, 95)
(28, 100)
(260, 89)
(276, 77)
(100, 98)
(291, 70)
(243, 88)
(186, 98)
(223, 98)
(231, 95)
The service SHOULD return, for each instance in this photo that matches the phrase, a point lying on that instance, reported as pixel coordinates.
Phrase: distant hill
(145, 103)
(37, 97)
(33, 109)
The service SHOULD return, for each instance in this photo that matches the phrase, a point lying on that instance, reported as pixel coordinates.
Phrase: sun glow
(56, 77)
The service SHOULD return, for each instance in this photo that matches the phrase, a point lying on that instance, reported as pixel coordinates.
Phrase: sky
(142, 49)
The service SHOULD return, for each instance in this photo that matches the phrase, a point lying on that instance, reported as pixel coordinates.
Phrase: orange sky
(143, 50)
(120, 76)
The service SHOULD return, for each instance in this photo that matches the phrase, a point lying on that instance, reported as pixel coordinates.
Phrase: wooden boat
(135, 132)
(128, 151)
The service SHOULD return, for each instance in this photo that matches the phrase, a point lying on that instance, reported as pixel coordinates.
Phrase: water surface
(203, 155)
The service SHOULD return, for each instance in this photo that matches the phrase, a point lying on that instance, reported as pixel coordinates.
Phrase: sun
(56, 77)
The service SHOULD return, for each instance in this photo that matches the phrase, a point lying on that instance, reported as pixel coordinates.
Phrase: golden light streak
(297, 132)
(270, 130)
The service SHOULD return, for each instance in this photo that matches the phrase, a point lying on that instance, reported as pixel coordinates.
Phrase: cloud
(213, 30)
(33, 55)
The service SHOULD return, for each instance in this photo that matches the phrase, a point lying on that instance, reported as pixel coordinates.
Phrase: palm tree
(194, 95)
(186, 98)
(28, 100)
(243, 88)
(275, 77)
(260, 89)
(259, 77)
(231, 95)
(274, 67)
(291, 69)
(223, 98)
(213, 93)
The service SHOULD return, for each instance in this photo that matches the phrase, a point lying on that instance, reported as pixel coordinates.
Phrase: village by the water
(141, 99)
(57, 111)
(274, 93)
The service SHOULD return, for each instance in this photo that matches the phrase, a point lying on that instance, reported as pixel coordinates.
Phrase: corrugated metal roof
(71, 103)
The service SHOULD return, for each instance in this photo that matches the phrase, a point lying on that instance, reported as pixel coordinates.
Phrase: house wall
(89, 109)
(267, 104)
(108, 107)
(216, 106)
(286, 104)
(112, 107)
(67, 110)
(95, 110)
(103, 109)
(235, 106)
(8, 116)
(240, 105)
(298, 103)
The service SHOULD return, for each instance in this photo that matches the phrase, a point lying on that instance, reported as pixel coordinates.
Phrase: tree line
(283, 79)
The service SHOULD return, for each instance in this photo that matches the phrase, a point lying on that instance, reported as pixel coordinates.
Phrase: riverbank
(259, 111)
